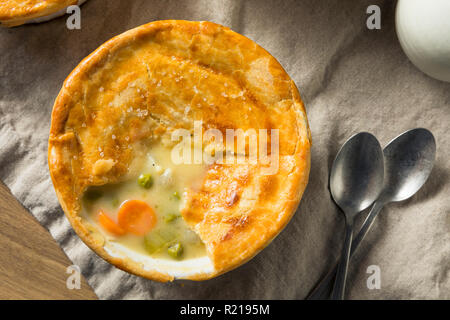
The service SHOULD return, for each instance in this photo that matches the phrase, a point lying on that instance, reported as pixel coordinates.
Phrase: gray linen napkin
(351, 79)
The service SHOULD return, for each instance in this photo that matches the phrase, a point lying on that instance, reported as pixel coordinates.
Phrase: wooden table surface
(32, 265)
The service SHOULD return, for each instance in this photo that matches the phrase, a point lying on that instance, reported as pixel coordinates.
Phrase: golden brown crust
(17, 12)
(147, 82)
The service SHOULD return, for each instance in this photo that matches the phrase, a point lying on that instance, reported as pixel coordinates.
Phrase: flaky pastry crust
(151, 80)
(17, 12)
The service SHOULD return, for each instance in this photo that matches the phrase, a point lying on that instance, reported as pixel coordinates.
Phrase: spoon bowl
(356, 181)
(357, 174)
(409, 159)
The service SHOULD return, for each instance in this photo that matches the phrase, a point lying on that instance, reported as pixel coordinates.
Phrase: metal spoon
(356, 181)
(409, 159)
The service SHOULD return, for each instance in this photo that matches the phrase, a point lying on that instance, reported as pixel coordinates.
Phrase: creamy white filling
(167, 179)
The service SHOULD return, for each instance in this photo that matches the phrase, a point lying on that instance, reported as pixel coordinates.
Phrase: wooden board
(32, 265)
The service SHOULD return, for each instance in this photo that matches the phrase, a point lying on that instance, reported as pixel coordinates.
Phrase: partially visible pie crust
(17, 12)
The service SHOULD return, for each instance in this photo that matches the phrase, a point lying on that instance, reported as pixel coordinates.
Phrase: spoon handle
(341, 273)
(323, 289)
(378, 205)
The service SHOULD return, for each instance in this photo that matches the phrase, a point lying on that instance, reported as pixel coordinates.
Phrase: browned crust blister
(143, 84)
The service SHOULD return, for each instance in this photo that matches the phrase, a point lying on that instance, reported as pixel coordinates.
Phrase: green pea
(175, 250)
(145, 180)
(171, 217)
(176, 195)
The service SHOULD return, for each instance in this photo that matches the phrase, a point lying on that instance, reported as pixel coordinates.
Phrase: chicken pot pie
(17, 12)
(112, 146)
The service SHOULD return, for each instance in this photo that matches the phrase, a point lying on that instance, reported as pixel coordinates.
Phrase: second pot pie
(111, 150)
(17, 12)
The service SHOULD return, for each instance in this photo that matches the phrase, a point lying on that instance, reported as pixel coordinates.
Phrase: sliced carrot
(109, 225)
(136, 217)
